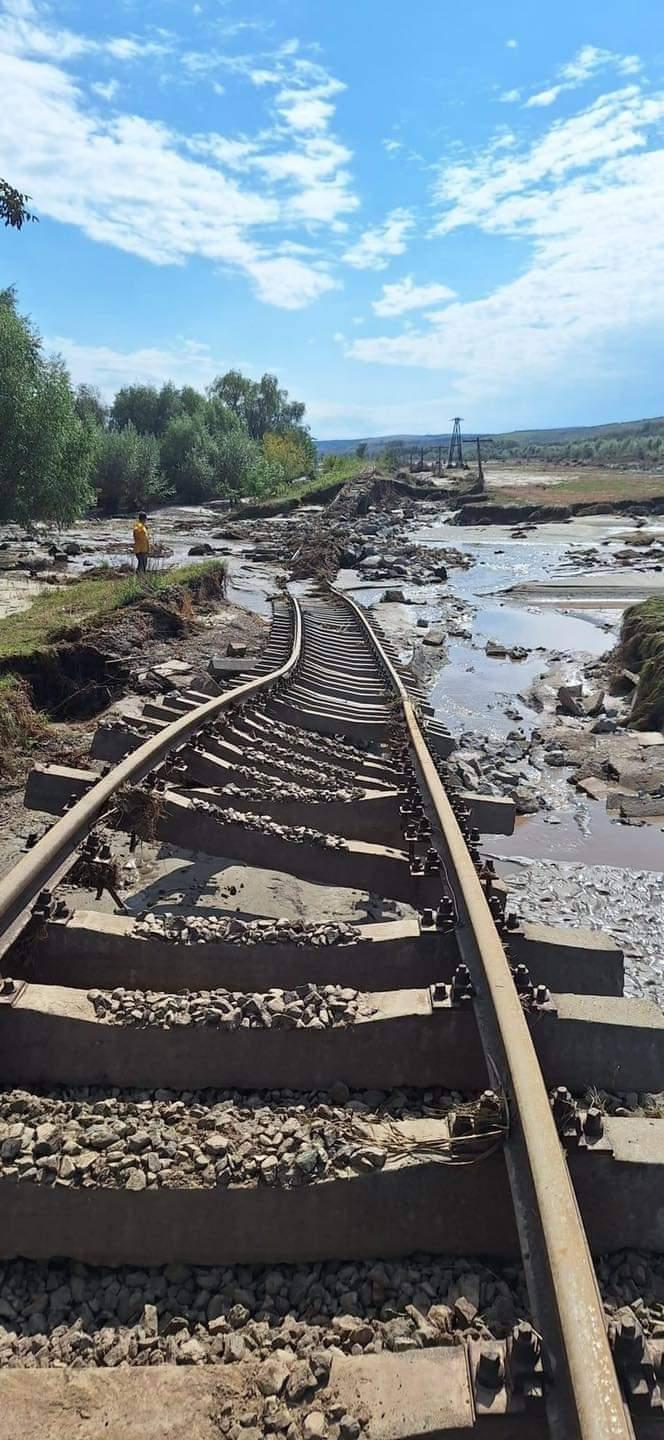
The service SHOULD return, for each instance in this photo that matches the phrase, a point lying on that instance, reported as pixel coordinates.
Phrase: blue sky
(406, 211)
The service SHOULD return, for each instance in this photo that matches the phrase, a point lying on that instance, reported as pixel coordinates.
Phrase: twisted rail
(49, 859)
(582, 1392)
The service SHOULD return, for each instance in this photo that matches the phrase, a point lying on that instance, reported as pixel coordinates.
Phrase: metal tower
(455, 452)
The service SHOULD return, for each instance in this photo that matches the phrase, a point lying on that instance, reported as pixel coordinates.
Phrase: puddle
(600, 841)
(470, 693)
(535, 629)
(250, 586)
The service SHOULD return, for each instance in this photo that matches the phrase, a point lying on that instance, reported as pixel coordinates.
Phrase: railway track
(262, 1106)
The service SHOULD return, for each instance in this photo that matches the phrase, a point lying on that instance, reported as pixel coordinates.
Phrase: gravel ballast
(312, 1007)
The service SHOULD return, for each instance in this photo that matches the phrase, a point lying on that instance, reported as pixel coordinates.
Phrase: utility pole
(455, 452)
(480, 470)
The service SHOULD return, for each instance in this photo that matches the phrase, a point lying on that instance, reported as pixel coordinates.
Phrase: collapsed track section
(322, 765)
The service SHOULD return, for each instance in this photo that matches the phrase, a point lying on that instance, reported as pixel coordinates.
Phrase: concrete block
(49, 787)
(51, 1036)
(425, 1393)
(92, 949)
(354, 863)
(575, 961)
(490, 814)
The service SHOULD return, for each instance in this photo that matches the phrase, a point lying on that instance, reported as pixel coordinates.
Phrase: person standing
(141, 542)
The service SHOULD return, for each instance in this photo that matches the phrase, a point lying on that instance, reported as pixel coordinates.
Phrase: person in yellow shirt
(141, 542)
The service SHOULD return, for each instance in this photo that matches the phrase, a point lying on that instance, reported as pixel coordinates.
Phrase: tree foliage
(145, 407)
(127, 472)
(60, 450)
(260, 405)
(14, 206)
(90, 407)
(294, 451)
(46, 451)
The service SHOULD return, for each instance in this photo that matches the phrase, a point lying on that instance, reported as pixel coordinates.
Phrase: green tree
(192, 402)
(136, 405)
(127, 471)
(46, 453)
(242, 468)
(189, 458)
(90, 407)
(148, 409)
(361, 450)
(260, 405)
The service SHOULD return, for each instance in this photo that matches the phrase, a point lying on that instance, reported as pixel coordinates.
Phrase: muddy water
(474, 692)
(17, 593)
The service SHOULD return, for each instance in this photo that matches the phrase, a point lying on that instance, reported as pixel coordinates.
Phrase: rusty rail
(582, 1391)
(48, 860)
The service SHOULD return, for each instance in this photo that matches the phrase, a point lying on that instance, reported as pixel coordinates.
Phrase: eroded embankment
(492, 512)
(52, 668)
(641, 648)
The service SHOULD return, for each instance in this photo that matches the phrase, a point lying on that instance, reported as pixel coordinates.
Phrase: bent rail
(583, 1397)
(47, 860)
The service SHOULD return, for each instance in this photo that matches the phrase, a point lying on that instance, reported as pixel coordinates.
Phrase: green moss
(642, 648)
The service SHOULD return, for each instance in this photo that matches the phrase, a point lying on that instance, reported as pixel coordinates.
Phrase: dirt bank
(88, 664)
(491, 512)
(641, 648)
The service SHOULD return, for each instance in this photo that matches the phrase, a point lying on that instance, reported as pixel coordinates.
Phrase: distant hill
(640, 440)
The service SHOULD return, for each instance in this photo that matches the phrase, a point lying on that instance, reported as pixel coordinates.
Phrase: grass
(60, 609)
(347, 467)
(586, 486)
(20, 725)
(641, 648)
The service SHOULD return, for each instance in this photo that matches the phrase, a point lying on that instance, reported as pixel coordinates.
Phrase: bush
(188, 458)
(127, 471)
(294, 451)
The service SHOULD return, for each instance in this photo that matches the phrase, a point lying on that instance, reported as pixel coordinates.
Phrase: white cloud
(392, 146)
(188, 362)
(589, 197)
(509, 97)
(141, 186)
(24, 32)
(493, 187)
(544, 97)
(405, 295)
(376, 245)
(511, 44)
(308, 108)
(591, 58)
(287, 282)
(586, 63)
(107, 90)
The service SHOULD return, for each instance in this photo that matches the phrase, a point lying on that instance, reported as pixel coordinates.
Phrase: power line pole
(455, 452)
(480, 469)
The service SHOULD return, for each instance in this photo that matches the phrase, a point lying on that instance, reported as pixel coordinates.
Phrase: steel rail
(582, 1391)
(45, 861)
